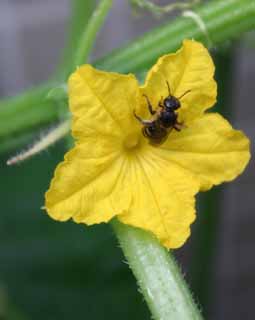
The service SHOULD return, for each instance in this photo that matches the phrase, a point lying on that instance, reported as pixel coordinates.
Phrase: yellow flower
(113, 170)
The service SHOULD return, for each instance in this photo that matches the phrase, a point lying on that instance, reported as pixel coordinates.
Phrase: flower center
(131, 141)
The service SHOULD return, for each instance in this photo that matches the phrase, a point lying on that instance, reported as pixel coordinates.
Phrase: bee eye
(168, 103)
(177, 105)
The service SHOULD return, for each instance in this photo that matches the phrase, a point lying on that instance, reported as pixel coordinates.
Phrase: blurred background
(51, 270)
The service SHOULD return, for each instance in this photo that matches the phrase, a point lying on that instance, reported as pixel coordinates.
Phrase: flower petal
(209, 148)
(190, 68)
(102, 101)
(90, 184)
(163, 199)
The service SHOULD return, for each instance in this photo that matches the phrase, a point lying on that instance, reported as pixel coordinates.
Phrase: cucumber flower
(114, 171)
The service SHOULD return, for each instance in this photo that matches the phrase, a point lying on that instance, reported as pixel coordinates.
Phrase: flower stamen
(131, 141)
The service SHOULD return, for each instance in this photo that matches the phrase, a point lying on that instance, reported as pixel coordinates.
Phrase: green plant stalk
(224, 20)
(29, 110)
(87, 40)
(80, 13)
(157, 274)
(89, 34)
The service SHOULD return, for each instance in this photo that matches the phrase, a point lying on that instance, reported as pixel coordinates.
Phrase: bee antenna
(168, 86)
(183, 94)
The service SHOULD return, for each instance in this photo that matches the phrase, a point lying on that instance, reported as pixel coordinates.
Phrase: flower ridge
(113, 170)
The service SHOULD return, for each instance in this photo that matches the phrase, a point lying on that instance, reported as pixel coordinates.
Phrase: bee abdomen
(155, 133)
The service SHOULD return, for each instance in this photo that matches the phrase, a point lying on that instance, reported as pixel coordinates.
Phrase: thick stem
(223, 20)
(157, 274)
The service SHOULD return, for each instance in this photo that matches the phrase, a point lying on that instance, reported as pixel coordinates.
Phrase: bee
(163, 120)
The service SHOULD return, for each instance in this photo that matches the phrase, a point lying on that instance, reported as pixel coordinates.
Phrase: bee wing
(163, 138)
(169, 130)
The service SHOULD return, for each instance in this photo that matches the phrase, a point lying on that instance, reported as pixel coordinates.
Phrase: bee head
(171, 103)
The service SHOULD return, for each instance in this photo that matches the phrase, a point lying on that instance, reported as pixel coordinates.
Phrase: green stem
(28, 110)
(89, 34)
(223, 20)
(80, 13)
(157, 274)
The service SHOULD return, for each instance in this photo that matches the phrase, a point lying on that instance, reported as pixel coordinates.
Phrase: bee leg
(145, 133)
(149, 105)
(177, 128)
(144, 122)
(179, 125)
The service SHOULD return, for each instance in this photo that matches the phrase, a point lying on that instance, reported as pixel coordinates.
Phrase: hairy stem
(157, 274)
(223, 20)
(158, 9)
